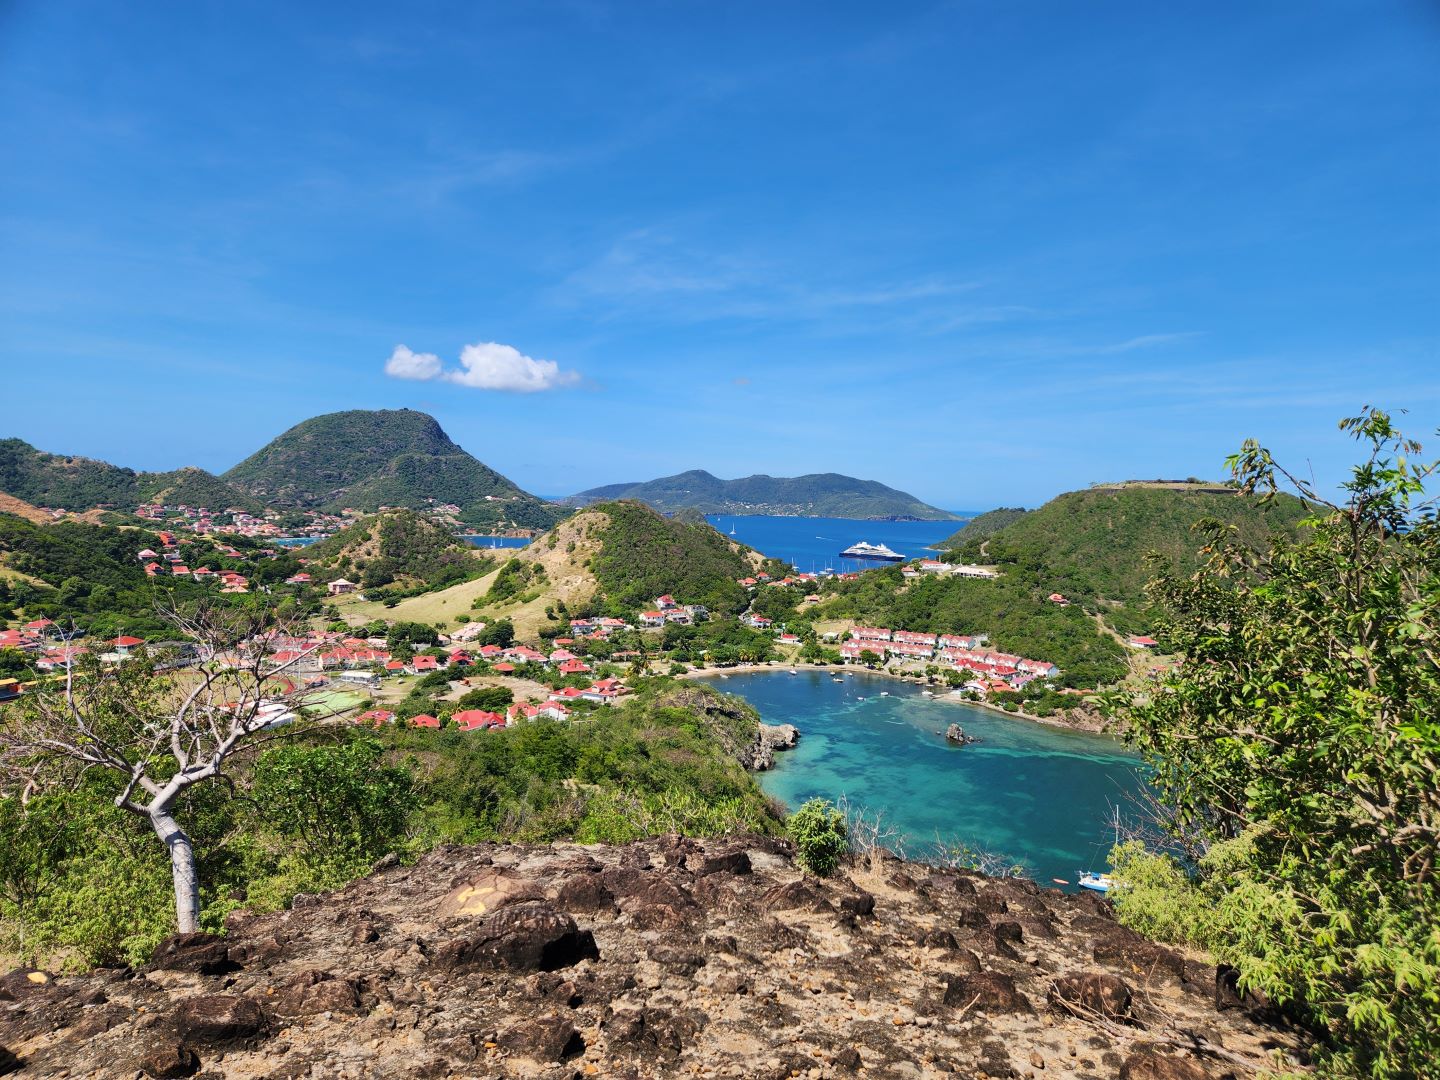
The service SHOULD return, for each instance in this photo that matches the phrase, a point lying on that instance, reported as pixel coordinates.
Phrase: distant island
(812, 495)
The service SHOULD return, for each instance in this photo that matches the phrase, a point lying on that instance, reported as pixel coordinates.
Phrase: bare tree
(160, 722)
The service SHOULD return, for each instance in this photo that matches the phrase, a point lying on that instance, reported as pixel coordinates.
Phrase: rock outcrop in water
(770, 738)
(662, 958)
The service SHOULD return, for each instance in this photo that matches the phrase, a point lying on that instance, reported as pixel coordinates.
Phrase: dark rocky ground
(658, 959)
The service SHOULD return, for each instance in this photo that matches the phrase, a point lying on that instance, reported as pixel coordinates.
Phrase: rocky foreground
(657, 959)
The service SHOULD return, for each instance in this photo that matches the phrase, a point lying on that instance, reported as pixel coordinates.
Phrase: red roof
(425, 720)
(506, 668)
(471, 719)
(127, 642)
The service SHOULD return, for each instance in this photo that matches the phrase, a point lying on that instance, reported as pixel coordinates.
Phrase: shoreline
(948, 696)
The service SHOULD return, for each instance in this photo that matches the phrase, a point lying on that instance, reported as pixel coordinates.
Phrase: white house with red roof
(652, 618)
(1141, 642)
(574, 667)
(666, 602)
(758, 621)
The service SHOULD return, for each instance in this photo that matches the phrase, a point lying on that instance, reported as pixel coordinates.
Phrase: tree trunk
(182, 869)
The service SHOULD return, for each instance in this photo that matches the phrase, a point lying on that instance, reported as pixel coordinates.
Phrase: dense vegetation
(984, 525)
(310, 813)
(1100, 546)
(813, 495)
(643, 555)
(368, 459)
(89, 575)
(1015, 615)
(397, 553)
(1296, 751)
(77, 483)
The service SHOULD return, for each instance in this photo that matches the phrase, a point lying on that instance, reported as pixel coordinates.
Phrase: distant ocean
(809, 544)
(812, 544)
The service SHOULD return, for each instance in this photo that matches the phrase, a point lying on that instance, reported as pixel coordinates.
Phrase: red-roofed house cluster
(958, 651)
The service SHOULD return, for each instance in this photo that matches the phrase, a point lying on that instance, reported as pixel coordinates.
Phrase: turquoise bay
(1040, 795)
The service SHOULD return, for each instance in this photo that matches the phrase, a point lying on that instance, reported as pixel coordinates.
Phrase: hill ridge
(826, 494)
(368, 458)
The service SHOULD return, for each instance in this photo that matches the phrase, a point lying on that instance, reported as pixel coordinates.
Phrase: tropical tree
(1296, 749)
(158, 725)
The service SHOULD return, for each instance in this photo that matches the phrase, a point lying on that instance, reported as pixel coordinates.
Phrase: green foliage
(1017, 618)
(488, 698)
(403, 554)
(512, 580)
(813, 495)
(984, 525)
(644, 555)
(1296, 747)
(368, 459)
(334, 801)
(76, 483)
(1100, 546)
(819, 831)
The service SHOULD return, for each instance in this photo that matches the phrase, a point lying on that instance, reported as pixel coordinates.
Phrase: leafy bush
(1296, 750)
(818, 829)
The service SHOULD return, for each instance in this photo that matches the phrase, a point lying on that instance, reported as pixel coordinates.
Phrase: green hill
(644, 554)
(79, 483)
(397, 553)
(1094, 546)
(983, 525)
(366, 459)
(814, 495)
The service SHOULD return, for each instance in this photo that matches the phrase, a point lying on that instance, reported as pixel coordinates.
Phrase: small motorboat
(884, 693)
(1101, 883)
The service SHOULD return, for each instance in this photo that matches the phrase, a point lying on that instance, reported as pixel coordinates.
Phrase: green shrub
(818, 829)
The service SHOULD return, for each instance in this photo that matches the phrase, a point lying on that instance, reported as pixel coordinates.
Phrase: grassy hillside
(1094, 546)
(78, 483)
(643, 554)
(813, 495)
(983, 525)
(368, 459)
(397, 553)
(612, 558)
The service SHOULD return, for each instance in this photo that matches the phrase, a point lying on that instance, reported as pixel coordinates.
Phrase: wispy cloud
(485, 365)
(649, 271)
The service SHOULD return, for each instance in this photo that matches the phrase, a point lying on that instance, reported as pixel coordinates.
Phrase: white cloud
(404, 364)
(485, 365)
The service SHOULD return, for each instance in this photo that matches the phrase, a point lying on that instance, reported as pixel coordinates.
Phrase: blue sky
(985, 252)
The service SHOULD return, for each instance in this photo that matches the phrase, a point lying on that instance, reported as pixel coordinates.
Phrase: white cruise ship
(866, 550)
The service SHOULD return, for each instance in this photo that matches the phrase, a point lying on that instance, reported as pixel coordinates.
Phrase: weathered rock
(650, 1031)
(546, 1038)
(585, 892)
(527, 937)
(956, 734)
(1136, 955)
(204, 954)
(23, 982)
(769, 738)
(986, 991)
(1147, 1064)
(1092, 993)
(680, 964)
(314, 992)
(847, 1059)
(729, 862)
(487, 893)
(219, 1019)
(795, 896)
(169, 1060)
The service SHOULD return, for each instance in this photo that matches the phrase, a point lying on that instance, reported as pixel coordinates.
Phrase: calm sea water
(812, 544)
(1042, 796)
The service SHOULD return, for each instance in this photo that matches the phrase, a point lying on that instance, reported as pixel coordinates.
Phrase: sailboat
(1101, 883)
(732, 528)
